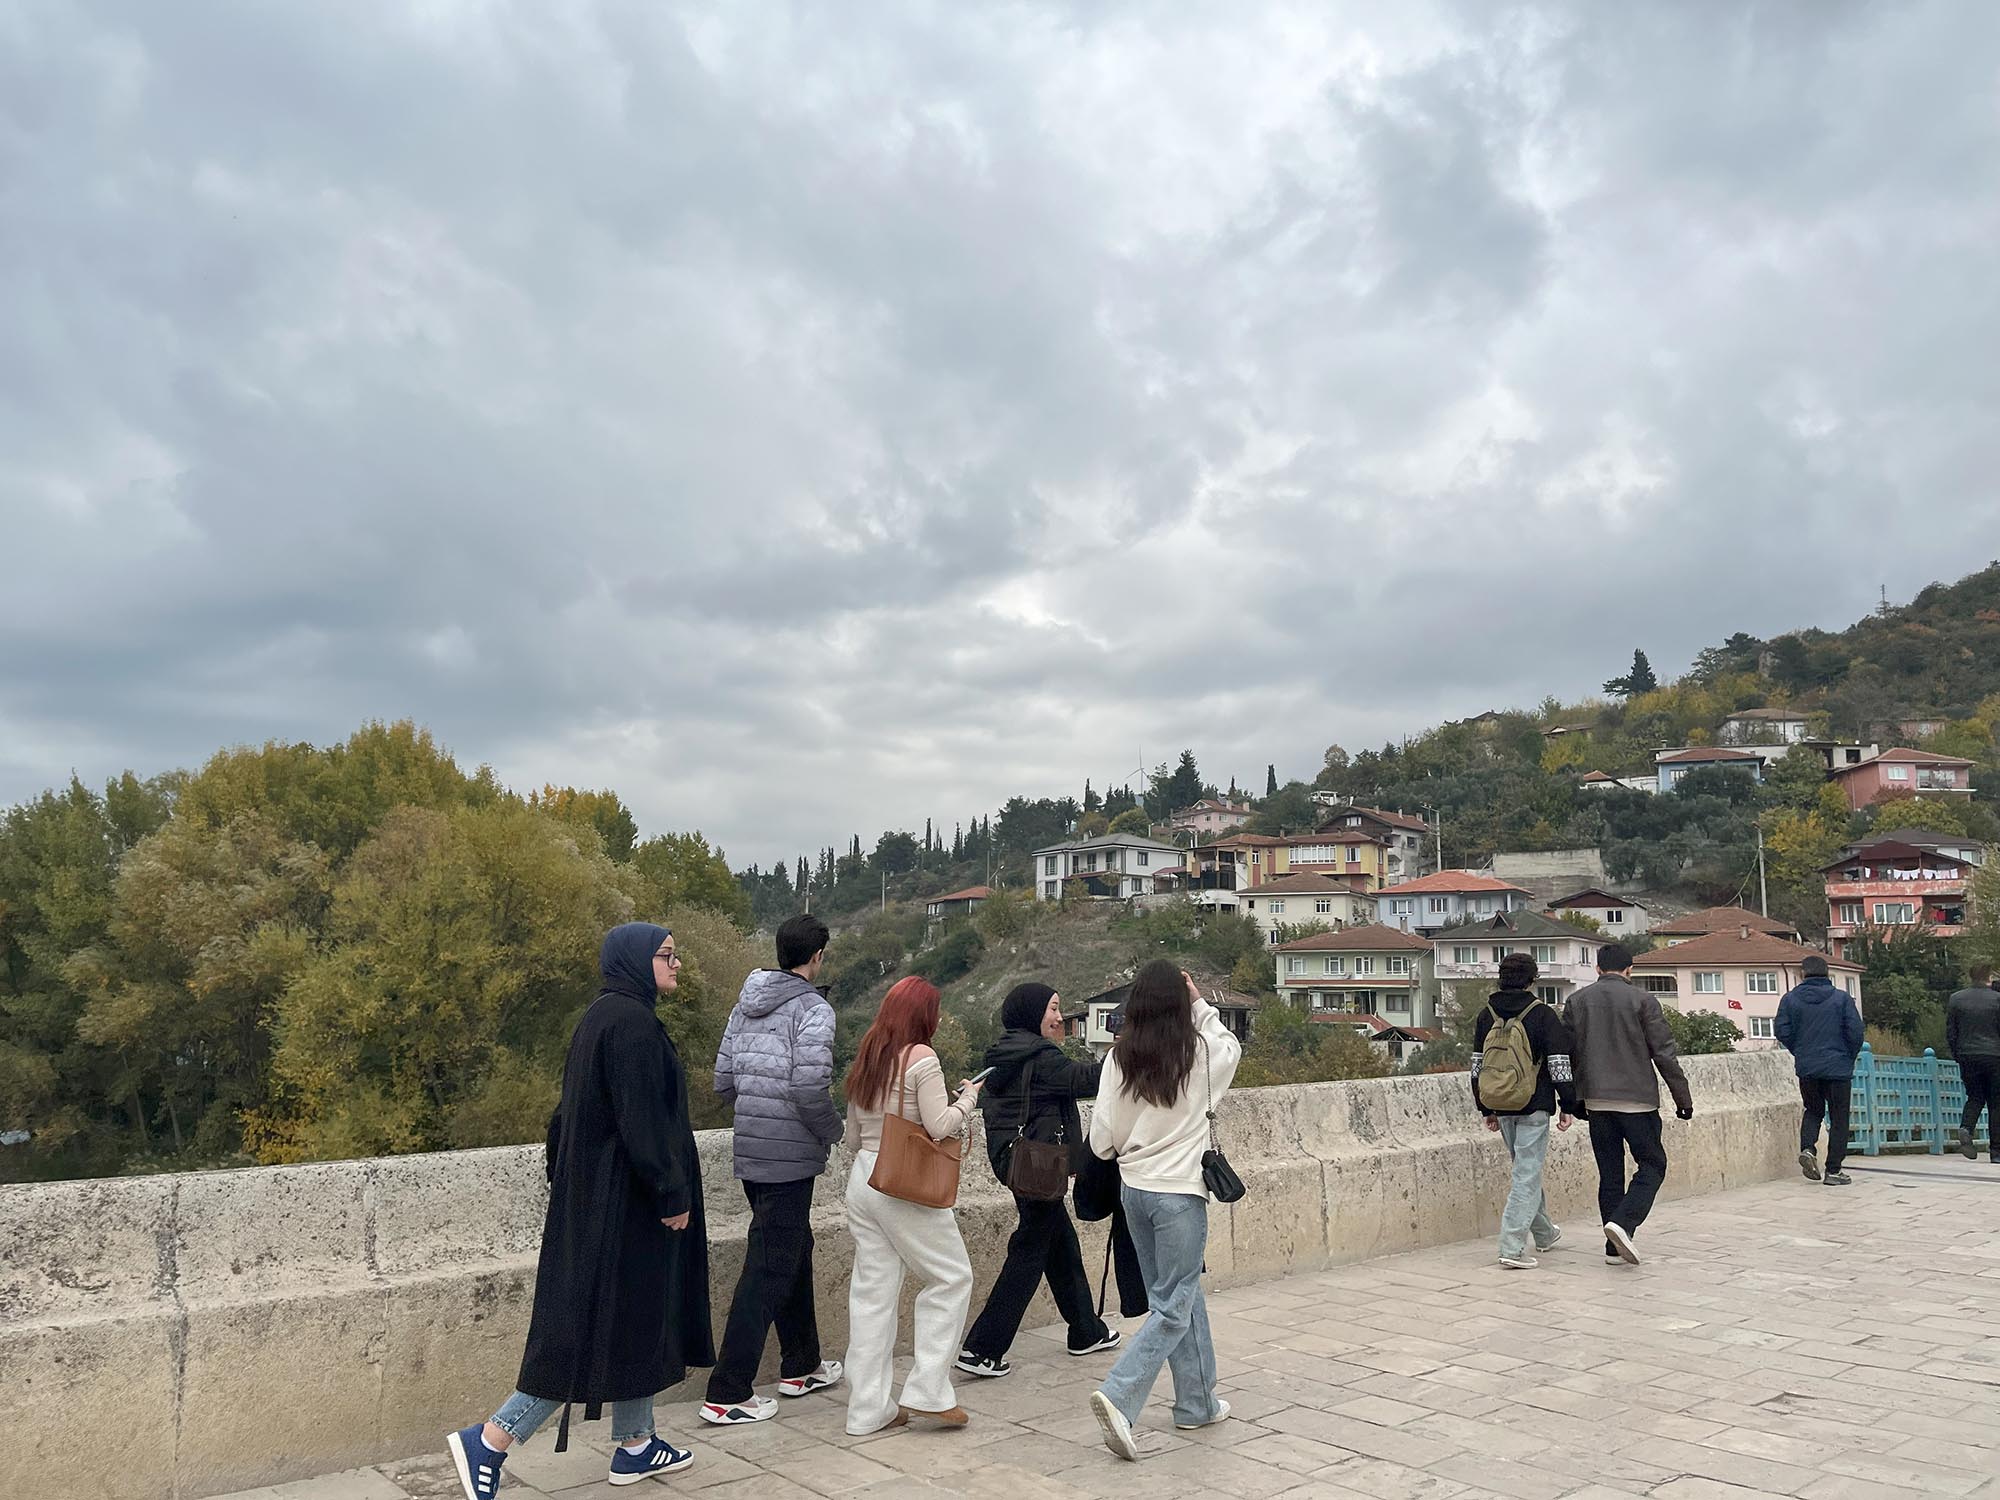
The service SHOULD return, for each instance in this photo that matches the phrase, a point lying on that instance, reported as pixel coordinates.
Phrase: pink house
(1905, 773)
(1211, 815)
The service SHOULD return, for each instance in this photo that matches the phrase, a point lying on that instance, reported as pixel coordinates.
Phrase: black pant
(776, 1287)
(1611, 1133)
(1125, 1268)
(1828, 1098)
(1982, 1092)
(1044, 1244)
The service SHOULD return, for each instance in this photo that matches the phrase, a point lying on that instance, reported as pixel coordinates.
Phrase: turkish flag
(1736, 1005)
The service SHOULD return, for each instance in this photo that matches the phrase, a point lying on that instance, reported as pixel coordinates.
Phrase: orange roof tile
(1734, 949)
(1453, 880)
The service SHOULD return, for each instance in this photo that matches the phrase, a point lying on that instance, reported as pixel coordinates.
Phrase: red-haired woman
(896, 1066)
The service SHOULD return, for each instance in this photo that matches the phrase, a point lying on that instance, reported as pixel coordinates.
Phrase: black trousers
(1982, 1092)
(1829, 1099)
(1125, 1268)
(1043, 1245)
(776, 1288)
(1612, 1134)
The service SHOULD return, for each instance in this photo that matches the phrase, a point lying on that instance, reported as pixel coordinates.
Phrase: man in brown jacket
(1621, 1041)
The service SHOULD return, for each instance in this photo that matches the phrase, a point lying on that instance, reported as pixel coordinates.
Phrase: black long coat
(621, 1301)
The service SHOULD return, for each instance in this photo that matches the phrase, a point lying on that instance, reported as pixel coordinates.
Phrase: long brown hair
(1155, 1046)
(909, 1016)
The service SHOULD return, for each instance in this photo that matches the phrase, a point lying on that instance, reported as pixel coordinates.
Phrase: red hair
(908, 1017)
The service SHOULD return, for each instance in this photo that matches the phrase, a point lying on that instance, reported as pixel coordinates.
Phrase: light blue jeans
(1170, 1231)
(1527, 1208)
(520, 1415)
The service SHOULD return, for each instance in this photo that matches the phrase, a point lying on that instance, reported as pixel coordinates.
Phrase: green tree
(1270, 781)
(1702, 1031)
(679, 869)
(1170, 791)
(1288, 1046)
(1132, 820)
(1637, 682)
(602, 812)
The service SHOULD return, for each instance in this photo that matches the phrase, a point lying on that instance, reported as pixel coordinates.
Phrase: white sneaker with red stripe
(828, 1374)
(741, 1413)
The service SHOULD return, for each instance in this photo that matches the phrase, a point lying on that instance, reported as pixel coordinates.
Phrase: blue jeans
(1170, 1231)
(1527, 1209)
(520, 1415)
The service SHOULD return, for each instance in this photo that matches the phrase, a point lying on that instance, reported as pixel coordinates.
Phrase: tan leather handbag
(912, 1166)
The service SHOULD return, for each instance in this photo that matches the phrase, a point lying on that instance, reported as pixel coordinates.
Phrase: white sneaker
(1221, 1415)
(1621, 1241)
(756, 1409)
(1117, 1431)
(828, 1374)
(1518, 1262)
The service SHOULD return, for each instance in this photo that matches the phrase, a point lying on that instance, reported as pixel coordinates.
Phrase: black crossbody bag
(1223, 1185)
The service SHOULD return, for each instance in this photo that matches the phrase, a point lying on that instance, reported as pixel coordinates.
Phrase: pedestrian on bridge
(1821, 1027)
(1530, 1080)
(1972, 1036)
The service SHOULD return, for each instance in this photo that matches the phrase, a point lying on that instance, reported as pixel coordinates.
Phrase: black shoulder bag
(1223, 1185)
(1036, 1169)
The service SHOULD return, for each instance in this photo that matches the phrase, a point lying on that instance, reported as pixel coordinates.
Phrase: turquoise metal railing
(1906, 1102)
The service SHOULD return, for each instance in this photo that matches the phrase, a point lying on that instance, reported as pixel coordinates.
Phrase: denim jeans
(1170, 1231)
(520, 1415)
(1527, 1208)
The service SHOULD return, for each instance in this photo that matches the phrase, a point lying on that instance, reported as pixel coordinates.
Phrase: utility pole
(1763, 893)
(885, 887)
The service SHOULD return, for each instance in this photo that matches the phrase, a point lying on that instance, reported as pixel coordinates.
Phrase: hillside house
(1672, 765)
(1101, 1015)
(1603, 781)
(1211, 815)
(1891, 886)
(1740, 974)
(1566, 955)
(1764, 726)
(1450, 898)
(1404, 835)
(958, 903)
(1301, 897)
(1109, 866)
(1904, 773)
(1721, 919)
(1620, 916)
(1355, 856)
(1362, 971)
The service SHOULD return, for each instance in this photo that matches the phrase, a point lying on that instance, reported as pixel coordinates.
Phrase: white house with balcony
(1371, 971)
(1764, 726)
(1565, 955)
(1301, 898)
(1450, 898)
(1108, 867)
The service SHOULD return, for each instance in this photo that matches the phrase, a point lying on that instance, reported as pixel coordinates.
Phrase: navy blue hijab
(625, 962)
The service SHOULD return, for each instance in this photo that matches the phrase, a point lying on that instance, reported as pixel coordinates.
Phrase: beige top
(923, 1099)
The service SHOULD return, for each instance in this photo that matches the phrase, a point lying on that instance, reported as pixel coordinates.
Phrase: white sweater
(1159, 1149)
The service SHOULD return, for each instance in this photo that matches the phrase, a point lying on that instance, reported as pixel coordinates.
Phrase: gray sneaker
(1838, 1179)
(1809, 1163)
(1965, 1147)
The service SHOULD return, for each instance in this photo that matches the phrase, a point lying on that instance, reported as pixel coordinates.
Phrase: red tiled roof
(1733, 949)
(1720, 919)
(1244, 841)
(970, 893)
(1453, 880)
(1905, 758)
(1393, 819)
(1705, 752)
(1297, 883)
(1374, 938)
(1336, 836)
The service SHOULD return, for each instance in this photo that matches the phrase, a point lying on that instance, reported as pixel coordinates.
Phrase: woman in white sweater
(1173, 1055)
(895, 1069)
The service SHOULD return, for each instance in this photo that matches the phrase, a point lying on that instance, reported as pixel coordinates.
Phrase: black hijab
(1025, 1006)
(625, 962)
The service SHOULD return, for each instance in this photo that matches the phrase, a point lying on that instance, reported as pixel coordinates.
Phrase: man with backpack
(1621, 1041)
(1521, 1074)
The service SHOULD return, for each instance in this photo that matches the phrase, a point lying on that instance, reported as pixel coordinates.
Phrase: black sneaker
(1966, 1148)
(986, 1366)
(1837, 1179)
(1109, 1341)
(1809, 1163)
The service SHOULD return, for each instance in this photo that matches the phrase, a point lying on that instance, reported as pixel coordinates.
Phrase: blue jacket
(1820, 1026)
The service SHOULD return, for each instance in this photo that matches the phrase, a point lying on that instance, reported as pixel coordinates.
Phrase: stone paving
(1792, 1339)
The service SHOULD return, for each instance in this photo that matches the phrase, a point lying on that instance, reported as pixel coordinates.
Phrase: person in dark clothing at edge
(1821, 1027)
(1972, 1037)
(776, 1066)
(621, 1288)
(1620, 1041)
(1526, 1130)
(1035, 1085)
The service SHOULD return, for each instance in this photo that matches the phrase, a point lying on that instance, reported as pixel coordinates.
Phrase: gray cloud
(808, 424)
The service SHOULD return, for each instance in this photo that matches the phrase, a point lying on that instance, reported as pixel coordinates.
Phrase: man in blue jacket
(1821, 1027)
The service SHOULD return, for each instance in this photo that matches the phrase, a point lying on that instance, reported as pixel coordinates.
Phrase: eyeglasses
(672, 958)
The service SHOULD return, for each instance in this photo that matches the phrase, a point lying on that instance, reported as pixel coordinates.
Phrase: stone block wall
(181, 1336)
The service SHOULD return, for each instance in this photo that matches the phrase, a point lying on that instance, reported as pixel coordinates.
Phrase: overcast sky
(810, 419)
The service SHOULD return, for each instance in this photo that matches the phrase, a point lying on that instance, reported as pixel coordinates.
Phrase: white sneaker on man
(828, 1374)
(1620, 1239)
(740, 1413)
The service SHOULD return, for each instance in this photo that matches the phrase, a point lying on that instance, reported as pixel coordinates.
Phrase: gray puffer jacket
(776, 1067)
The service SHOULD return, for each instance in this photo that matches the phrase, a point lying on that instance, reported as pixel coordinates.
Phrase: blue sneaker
(656, 1458)
(478, 1465)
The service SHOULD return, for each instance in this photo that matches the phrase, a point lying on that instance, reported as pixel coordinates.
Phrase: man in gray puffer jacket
(776, 1067)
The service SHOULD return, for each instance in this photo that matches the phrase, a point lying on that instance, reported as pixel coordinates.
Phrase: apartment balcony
(1489, 972)
(1894, 885)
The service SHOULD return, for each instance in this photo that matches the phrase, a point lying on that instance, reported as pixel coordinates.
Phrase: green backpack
(1508, 1067)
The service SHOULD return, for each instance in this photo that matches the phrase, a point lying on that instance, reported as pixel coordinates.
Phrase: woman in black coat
(621, 1291)
(1033, 1089)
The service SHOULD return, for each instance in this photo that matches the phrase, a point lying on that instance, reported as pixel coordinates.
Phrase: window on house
(1364, 965)
(1659, 984)
(1398, 964)
(1049, 865)
(1848, 912)
(1272, 935)
(1544, 953)
(1894, 913)
(1295, 966)
(1145, 858)
(1614, 916)
(1354, 854)
(1090, 861)
(1353, 822)
(1500, 951)
(1052, 888)
(1323, 905)
(1439, 905)
(1763, 982)
(1465, 953)
(1707, 983)
(1249, 904)
(1277, 908)
(1334, 964)
(1548, 994)
(1761, 1028)
(1401, 906)
(1898, 773)
(1398, 1002)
